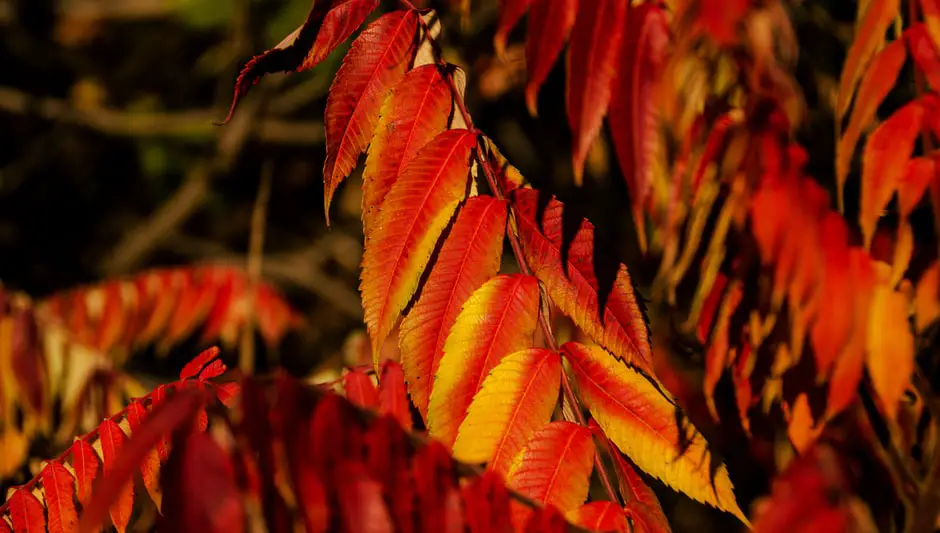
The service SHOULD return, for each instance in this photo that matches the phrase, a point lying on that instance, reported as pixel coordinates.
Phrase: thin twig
(246, 356)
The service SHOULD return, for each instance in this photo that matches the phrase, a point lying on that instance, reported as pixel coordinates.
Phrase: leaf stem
(517, 251)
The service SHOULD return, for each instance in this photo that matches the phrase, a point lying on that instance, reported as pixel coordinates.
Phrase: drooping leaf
(419, 206)
(633, 110)
(112, 439)
(550, 21)
(393, 398)
(879, 79)
(361, 504)
(517, 399)
(927, 298)
(890, 345)
(486, 504)
(376, 61)
(600, 516)
(416, 111)
(360, 390)
(510, 11)
(644, 425)
(470, 256)
(931, 12)
(593, 56)
(59, 492)
(925, 53)
(86, 464)
(554, 468)
(498, 319)
(150, 467)
(328, 24)
(567, 267)
(26, 512)
(869, 36)
(884, 162)
(642, 505)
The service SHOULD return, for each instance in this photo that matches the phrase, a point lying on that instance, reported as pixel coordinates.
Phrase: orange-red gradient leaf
(376, 61)
(884, 163)
(328, 24)
(112, 439)
(414, 113)
(555, 466)
(498, 319)
(517, 399)
(510, 11)
(600, 516)
(890, 346)
(869, 35)
(150, 468)
(642, 505)
(644, 425)
(574, 281)
(86, 464)
(550, 21)
(393, 398)
(593, 54)
(417, 209)
(633, 112)
(26, 512)
(878, 81)
(58, 487)
(470, 256)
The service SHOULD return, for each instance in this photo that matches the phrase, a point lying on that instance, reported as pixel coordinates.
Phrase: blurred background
(110, 164)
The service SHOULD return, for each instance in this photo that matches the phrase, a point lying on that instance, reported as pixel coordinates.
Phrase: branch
(246, 361)
(192, 125)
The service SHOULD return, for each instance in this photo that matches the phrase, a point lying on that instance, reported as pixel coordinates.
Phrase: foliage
(755, 268)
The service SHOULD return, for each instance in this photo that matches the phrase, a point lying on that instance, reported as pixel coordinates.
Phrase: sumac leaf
(58, 488)
(26, 512)
(600, 516)
(869, 37)
(550, 21)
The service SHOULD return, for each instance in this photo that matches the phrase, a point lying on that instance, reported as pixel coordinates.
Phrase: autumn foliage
(816, 327)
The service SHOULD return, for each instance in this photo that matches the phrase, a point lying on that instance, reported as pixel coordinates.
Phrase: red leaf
(4, 527)
(600, 516)
(437, 497)
(215, 369)
(86, 464)
(150, 466)
(415, 112)
(59, 491)
(550, 21)
(193, 367)
(592, 63)
(360, 390)
(26, 512)
(566, 267)
(419, 206)
(27, 361)
(393, 399)
(633, 107)
(201, 492)
(328, 24)
(112, 439)
(470, 256)
(925, 53)
(376, 61)
(362, 507)
(486, 504)
(510, 11)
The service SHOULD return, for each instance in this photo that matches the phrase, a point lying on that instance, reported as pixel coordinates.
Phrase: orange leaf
(376, 61)
(418, 208)
(414, 113)
(878, 81)
(600, 516)
(510, 11)
(26, 512)
(566, 266)
(550, 21)
(393, 399)
(884, 163)
(554, 468)
(643, 424)
(360, 390)
(927, 298)
(925, 53)
(328, 24)
(920, 172)
(517, 399)
(59, 491)
(931, 11)
(890, 346)
(633, 111)
(869, 36)
(86, 464)
(112, 439)
(497, 320)
(592, 61)
(470, 256)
